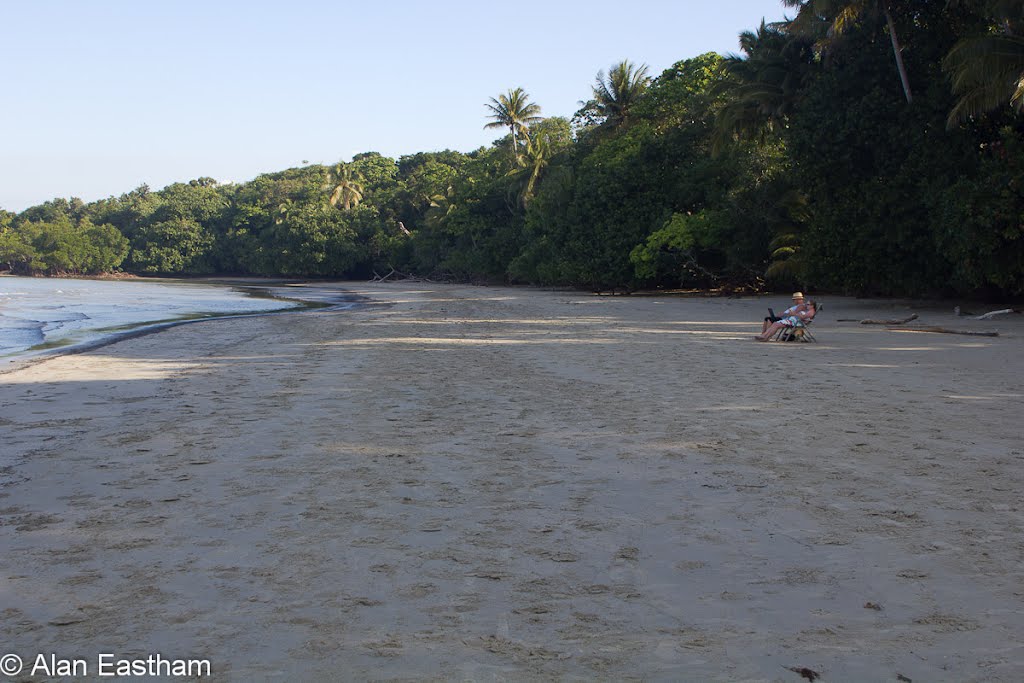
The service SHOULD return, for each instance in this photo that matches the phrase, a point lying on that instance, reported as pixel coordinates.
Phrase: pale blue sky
(101, 96)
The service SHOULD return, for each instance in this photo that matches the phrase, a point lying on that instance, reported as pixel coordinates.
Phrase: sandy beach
(488, 484)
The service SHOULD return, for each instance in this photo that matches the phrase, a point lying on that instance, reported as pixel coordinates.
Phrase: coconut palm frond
(976, 102)
(513, 110)
(335, 198)
(789, 240)
(827, 20)
(787, 270)
(345, 185)
(761, 88)
(987, 72)
(441, 207)
(976, 58)
(1017, 100)
(532, 167)
(616, 93)
(809, 21)
(847, 17)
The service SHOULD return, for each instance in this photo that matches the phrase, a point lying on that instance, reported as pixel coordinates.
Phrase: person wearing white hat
(800, 313)
(798, 301)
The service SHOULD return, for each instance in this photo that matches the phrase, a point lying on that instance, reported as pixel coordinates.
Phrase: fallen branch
(946, 330)
(399, 275)
(869, 321)
(995, 313)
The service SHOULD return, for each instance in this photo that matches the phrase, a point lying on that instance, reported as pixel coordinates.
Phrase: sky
(101, 96)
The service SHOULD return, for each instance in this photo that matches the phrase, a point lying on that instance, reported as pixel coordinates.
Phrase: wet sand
(510, 484)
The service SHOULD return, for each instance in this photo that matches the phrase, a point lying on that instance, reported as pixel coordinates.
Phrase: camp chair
(800, 332)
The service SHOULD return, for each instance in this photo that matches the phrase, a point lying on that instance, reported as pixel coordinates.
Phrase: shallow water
(37, 314)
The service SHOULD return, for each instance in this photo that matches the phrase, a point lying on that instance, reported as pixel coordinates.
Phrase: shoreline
(316, 298)
(502, 483)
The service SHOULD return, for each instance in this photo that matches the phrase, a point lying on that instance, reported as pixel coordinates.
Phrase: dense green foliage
(868, 146)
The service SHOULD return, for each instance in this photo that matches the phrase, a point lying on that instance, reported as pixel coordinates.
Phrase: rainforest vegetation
(871, 146)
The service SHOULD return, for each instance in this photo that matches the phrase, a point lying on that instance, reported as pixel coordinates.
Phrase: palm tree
(535, 161)
(441, 206)
(838, 16)
(988, 69)
(538, 154)
(345, 185)
(763, 83)
(515, 111)
(285, 210)
(787, 216)
(616, 94)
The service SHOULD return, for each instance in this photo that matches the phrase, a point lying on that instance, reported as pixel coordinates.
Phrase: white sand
(505, 484)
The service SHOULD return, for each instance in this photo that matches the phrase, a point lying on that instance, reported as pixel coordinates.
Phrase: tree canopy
(864, 146)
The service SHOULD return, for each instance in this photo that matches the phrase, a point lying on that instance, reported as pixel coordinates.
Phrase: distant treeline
(865, 147)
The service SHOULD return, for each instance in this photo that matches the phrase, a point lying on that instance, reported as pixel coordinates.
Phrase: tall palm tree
(515, 111)
(988, 69)
(535, 161)
(616, 94)
(839, 16)
(763, 83)
(345, 185)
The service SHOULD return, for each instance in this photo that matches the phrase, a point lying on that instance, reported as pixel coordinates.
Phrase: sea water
(37, 314)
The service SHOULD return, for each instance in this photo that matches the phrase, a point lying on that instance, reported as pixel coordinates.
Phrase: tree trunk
(898, 53)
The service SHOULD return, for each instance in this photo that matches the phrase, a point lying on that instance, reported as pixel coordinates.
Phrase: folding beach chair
(800, 332)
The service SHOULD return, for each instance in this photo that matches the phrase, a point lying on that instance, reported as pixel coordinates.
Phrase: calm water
(39, 313)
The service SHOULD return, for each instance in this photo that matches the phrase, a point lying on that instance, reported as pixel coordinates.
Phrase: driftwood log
(398, 275)
(378, 278)
(869, 321)
(946, 330)
(993, 314)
